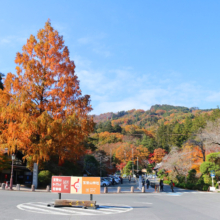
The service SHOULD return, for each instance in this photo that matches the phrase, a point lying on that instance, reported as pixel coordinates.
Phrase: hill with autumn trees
(164, 133)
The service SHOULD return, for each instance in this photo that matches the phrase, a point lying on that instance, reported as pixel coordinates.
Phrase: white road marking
(58, 209)
(41, 207)
(33, 209)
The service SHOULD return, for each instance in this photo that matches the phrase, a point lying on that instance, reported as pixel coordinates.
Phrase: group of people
(161, 184)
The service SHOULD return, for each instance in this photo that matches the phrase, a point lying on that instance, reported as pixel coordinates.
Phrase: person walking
(172, 185)
(129, 178)
(161, 185)
(113, 181)
(148, 183)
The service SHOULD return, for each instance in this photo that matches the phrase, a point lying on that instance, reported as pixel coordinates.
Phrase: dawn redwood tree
(42, 110)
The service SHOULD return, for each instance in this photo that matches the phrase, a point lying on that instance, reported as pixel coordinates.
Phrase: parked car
(117, 180)
(108, 179)
(104, 182)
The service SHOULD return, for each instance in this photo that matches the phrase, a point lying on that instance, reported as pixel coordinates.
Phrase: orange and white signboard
(91, 185)
(75, 185)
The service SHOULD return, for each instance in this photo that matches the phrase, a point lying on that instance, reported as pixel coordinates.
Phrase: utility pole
(110, 158)
(125, 161)
(100, 166)
(132, 163)
(137, 163)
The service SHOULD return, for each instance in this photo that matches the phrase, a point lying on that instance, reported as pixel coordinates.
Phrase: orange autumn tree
(42, 110)
(159, 153)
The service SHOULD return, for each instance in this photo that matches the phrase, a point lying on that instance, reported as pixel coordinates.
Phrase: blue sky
(128, 54)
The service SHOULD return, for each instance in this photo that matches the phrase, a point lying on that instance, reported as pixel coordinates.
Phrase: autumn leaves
(42, 110)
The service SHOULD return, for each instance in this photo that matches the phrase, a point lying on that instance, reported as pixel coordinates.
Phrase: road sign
(90, 185)
(61, 184)
(75, 185)
(212, 173)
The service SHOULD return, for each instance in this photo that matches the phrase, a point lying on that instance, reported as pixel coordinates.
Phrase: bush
(166, 182)
(44, 178)
(191, 176)
(205, 187)
(161, 173)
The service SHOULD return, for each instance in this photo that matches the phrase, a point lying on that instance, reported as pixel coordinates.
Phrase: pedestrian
(143, 182)
(121, 180)
(148, 183)
(113, 181)
(161, 185)
(172, 185)
(129, 178)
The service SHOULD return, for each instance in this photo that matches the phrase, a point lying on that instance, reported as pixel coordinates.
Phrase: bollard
(143, 189)
(18, 187)
(32, 188)
(119, 189)
(3, 186)
(48, 188)
(105, 189)
(132, 189)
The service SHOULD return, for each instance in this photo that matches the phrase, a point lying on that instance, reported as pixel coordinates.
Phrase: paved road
(183, 204)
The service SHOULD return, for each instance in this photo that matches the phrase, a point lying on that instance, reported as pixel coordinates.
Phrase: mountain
(146, 119)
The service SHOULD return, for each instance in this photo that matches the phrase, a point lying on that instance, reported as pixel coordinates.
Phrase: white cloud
(114, 90)
(12, 40)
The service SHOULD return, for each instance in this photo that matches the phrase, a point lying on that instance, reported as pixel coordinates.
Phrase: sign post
(75, 185)
(212, 174)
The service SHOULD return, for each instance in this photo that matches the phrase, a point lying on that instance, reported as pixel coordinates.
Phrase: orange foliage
(106, 137)
(42, 104)
(193, 153)
(159, 153)
(160, 111)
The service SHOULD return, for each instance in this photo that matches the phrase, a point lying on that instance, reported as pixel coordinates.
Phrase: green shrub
(44, 177)
(207, 178)
(166, 181)
(191, 178)
(205, 187)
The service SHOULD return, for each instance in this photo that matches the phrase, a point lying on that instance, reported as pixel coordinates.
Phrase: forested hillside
(164, 133)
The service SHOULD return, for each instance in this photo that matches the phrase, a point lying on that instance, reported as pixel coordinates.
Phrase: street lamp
(11, 180)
